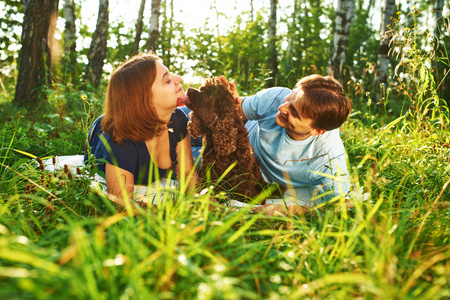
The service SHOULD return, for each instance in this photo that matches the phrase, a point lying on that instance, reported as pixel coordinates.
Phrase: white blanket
(158, 189)
(153, 193)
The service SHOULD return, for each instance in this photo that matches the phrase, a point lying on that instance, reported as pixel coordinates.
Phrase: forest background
(58, 231)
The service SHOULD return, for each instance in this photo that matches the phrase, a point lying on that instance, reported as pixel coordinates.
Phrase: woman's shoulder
(178, 123)
(179, 115)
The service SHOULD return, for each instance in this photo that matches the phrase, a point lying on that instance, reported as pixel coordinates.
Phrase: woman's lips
(182, 99)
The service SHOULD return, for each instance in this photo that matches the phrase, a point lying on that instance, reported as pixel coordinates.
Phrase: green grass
(59, 239)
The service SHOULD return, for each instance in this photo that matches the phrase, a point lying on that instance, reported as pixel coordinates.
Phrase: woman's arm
(185, 167)
(118, 181)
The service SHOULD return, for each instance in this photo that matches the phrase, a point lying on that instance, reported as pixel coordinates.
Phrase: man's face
(298, 127)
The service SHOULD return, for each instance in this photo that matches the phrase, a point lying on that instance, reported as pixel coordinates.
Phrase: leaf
(68, 120)
(52, 116)
(25, 153)
(447, 169)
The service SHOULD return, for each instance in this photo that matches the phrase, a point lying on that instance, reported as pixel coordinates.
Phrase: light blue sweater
(314, 169)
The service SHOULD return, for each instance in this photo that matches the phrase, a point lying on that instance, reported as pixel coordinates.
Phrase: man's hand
(232, 88)
(238, 100)
(280, 209)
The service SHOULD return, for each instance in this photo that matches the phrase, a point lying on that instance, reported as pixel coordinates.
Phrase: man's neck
(298, 137)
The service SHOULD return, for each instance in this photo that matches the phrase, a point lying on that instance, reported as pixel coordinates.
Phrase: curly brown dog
(225, 141)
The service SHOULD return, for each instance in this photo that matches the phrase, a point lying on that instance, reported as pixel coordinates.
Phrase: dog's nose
(190, 90)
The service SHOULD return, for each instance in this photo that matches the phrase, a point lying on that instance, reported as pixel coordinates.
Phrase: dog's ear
(224, 137)
(194, 126)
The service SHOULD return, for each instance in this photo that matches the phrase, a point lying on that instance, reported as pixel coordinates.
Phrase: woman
(141, 129)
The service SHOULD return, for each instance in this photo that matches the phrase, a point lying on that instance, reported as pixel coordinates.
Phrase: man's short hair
(323, 100)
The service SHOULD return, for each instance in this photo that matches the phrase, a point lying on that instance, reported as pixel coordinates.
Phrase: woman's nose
(176, 79)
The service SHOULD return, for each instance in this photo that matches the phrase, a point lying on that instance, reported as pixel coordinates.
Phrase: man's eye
(293, 112)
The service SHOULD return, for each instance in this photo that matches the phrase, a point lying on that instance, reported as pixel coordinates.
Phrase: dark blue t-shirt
(134, 156)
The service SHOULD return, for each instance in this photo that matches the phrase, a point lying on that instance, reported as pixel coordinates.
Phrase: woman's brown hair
(323, 100)
(129, 111)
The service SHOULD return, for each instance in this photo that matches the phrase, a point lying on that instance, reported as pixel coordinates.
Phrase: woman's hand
(187, 170)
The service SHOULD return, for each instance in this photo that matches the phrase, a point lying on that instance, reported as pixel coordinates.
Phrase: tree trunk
(291, 40)
(437, 9)
(97, 51)
(272, 47)
(154, 26)
(70, 65)
(217, 16)
(370, 8)
(169, 33)
(383, 59)
(139, 26)
(341, 30)
(70, 32)
(38, 30)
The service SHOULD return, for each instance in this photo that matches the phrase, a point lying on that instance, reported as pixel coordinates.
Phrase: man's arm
(281, 209)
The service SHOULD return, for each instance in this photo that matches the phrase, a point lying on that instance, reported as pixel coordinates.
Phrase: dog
(215, 117)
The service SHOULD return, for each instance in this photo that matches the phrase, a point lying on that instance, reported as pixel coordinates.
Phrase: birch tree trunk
(341, 30)
(272, 48)
(370, 8)
(154, 26)
(139, 26)
(291, 41)
(383, 59)
(35, 56)
(70, 31)
(168, 32)
(97, 51)
(71, 69)
(437, 9)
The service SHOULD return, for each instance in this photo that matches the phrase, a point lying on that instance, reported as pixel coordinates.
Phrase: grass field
(62, 239)
(59, 239)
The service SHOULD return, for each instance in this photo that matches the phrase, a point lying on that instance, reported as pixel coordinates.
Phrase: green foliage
(62, 238)
(416, 77)
(362, 44)
(10, 20)
(119, 43)
(55, 128)
(240, 53)
(308, 40)
(170, 48)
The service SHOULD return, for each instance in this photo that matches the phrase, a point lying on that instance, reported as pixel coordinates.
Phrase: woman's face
(166, 91)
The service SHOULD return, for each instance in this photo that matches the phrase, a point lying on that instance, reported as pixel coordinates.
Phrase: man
(296, 139)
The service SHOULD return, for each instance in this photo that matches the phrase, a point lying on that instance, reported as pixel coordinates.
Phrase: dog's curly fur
(225, 140)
